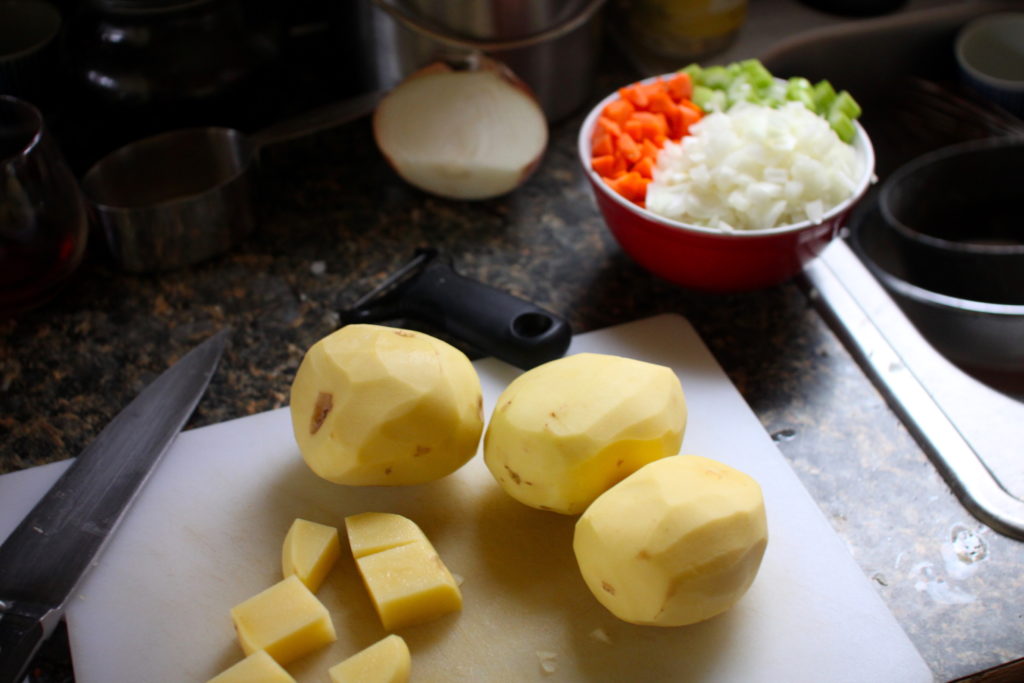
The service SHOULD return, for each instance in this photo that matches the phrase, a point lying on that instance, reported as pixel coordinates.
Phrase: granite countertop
(335, 221)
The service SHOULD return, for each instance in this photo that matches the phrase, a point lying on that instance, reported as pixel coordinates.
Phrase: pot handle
(318, 119)
(429, 29)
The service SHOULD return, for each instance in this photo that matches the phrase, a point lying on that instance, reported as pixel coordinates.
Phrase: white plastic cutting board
(206, 534)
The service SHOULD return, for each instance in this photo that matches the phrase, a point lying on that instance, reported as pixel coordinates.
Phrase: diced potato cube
(259, 667)
(310, 550)
(386, 661)
(372, 532)
(409, 584)
(286, 620)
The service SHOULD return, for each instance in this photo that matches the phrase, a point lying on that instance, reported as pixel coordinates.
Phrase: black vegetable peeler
(494, 322)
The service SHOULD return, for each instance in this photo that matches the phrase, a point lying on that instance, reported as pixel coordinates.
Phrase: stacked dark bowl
(946, 238)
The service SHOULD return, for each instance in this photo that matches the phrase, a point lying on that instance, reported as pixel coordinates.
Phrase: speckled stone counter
(336, 221)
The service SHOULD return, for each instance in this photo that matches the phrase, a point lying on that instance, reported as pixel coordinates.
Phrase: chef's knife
(47, 555)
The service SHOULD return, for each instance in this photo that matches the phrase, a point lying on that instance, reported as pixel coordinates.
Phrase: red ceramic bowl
(708, 259)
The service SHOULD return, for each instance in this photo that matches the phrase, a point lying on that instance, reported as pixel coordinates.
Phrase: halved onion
(462, 134)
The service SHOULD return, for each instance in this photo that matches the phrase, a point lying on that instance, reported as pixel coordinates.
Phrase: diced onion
(752, 168)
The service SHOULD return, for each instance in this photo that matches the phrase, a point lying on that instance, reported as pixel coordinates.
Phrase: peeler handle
(494, 322)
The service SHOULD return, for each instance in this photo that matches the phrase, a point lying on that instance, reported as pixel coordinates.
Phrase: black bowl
(957, 215)
(980, 336)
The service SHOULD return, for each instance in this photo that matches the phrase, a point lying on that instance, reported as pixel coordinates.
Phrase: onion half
(462, 134)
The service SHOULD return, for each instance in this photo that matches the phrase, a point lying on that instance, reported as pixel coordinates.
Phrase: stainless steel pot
(553, 45)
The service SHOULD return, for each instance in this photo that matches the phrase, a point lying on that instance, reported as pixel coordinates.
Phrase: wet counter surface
(335, 221)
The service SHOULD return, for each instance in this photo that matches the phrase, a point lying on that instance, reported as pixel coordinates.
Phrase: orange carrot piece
(603, 145)
(691, 112)
(619, 111)
(649, 149)
(660, 102)
(653, 124)
(645, 167)
(632, 186)
(606, 125)
(679, 86)
(603, 165)
(676, 123)
(628, 148)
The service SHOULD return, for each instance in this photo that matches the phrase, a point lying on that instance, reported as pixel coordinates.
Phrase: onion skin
(451, 176)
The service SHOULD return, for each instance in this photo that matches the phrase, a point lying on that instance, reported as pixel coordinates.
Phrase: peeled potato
(386, 661)
(309, 551)
(374, 405)
(564, 432)
(678, 542)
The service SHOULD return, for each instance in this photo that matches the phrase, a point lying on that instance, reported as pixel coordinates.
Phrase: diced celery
(824, 93)
(845, 103)
(755, 73)
(716, 77)
(842, 125)
(694, 70)
(709, 99)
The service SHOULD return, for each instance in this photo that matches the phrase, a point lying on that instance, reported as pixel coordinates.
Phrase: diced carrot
(606, 125)
(679, 86)
(676, 123)
(631, 131)
(628, 148)
(649, 149)
(608, 166)
(619, 111)
(645, 167)
(632, 186)
(602, 145)
(691, 112)
(660, 102)
(654, 124)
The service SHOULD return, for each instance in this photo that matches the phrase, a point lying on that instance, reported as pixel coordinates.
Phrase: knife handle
(23, 628)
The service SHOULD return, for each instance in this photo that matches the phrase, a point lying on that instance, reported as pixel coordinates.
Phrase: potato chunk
(562, 433)
(677, 542)
(407, 581)
(386, 661)
(372, 532)
(286, 620)
(374, 405)
(309, 551)
(259, 667)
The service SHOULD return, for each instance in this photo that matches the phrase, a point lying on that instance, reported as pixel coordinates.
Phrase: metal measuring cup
(181, 197)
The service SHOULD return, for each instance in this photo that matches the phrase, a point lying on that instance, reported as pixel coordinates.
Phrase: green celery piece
(845, 103)
(709, 99)
(717, 77)
(842, 125)
(694, 70)
(824, 94)
(755, 73)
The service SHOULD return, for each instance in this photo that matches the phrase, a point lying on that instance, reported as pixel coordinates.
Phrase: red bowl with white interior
(710, 259)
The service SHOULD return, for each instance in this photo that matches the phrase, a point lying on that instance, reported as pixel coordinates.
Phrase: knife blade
(49, 553)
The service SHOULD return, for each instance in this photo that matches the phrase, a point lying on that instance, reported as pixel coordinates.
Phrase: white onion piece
(754, 168)
(471, 134)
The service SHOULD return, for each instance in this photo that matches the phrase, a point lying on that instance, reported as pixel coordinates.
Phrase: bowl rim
(973, 31)
(862, 143)
(888, 187)
(898, 283)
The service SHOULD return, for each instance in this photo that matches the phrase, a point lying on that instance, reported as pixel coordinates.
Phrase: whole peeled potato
(677, 542)
(375, 405)
(564, 432)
